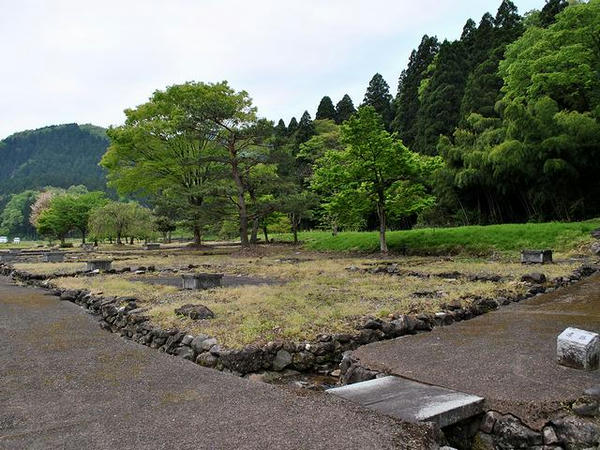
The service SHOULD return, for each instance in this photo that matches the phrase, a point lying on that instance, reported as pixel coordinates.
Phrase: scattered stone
(488, 421)
(593, 392)
(99, 265)
(336, 373)
(202, 281)
(195, 312)
(206, 360)
(579, 349)
(595, 233)
(282, 359)
(576, 433)
(513, 434)
(595, 248)
(549, 435)
(536, 256)
(586, 408)
(534, 277)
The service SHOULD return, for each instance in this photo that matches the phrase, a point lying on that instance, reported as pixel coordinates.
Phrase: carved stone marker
(14, 251)
(99, 264)
(579, 349)
(54, 257)
(202, 280)
(152, 246)
(536, 256)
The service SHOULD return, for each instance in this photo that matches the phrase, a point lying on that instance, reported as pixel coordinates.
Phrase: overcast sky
(85, 61)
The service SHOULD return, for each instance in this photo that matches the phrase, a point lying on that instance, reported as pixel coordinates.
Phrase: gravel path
(65, 383)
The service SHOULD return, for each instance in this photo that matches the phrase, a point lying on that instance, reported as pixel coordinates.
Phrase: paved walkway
(65, 383)
(507, 356)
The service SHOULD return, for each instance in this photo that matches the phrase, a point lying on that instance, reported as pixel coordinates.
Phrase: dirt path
(65, 383)
(507, 356)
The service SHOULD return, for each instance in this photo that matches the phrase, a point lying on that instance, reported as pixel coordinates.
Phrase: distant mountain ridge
(57, 155)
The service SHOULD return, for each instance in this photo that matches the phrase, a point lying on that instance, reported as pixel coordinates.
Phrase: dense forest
(500, 125)
(60, 156)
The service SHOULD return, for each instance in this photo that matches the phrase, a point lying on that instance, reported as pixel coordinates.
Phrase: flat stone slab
(412, 401)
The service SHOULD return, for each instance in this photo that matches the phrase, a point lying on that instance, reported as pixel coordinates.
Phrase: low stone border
(124, 316)
(576, 427)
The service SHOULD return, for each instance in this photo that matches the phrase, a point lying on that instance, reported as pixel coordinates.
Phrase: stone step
(412, 401)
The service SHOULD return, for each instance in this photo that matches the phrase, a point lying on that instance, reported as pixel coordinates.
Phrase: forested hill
(60, 155)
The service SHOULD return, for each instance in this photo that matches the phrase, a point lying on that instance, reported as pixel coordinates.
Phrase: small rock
(586, 409)
(282, 360)
(195, 312)
(549, 436)
(593, 392)
(595, 248)
(336, 373)
(534, 277)
(206, 360)
(488, 422)
(577, 433)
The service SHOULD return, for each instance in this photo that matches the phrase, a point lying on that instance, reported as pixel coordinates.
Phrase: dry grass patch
(318, 294)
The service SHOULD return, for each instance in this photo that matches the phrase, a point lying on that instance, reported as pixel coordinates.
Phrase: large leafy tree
(378, 96)
(373, 168)
(344, 109)
(14, 219)
(69, 212)
(326, 110)
(117, 220)
(195, 141)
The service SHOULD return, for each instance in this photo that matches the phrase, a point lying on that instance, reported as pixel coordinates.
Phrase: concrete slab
(412, 401)
(507, 356)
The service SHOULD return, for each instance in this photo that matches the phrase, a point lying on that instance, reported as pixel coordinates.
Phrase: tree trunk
(265, 233)
(169, 237)
(382, 224)
(197, 236)
(294, 223)
(243, 211)
(82, 237)
(131, 240)
(119, 239)
(254, 233)
(62, 241)
(334, 232)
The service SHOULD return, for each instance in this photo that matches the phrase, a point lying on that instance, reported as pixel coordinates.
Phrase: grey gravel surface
(65, 383)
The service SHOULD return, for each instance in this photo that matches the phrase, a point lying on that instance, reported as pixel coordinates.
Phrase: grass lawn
(474, 240)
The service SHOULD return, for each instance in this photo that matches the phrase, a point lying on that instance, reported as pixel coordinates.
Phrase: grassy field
(473, 240)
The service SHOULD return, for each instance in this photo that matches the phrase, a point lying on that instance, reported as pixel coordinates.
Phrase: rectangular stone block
(99, 264)
(202, 280)
(54, 257)
(412, 401)
(152, 246)
(579, 349)
(536, 256)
